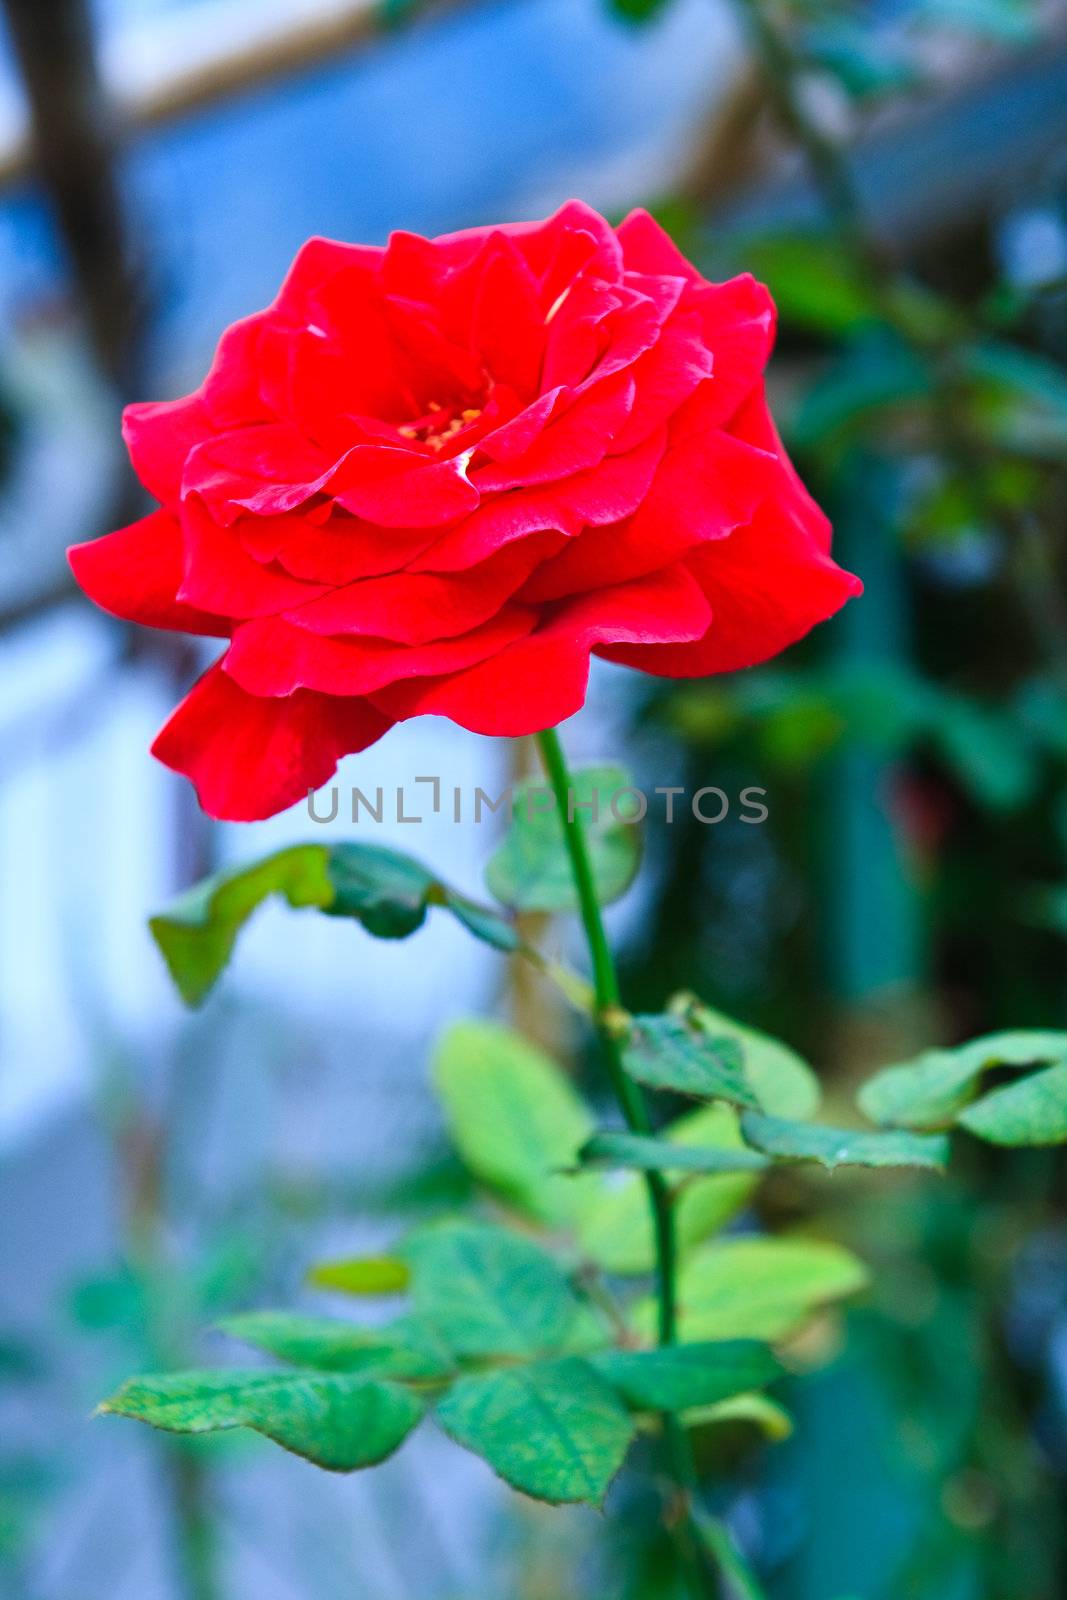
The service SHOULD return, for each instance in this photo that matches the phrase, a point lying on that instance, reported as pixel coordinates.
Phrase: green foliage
(531, 871)
(403, 1348)
(487, 1291)
(340, 1422)
(681, 1376)
(785, 1140)
(760, 1410)
(1030, 1112)
(361, 1275)
(198, 932)
(642, 1153)
(668, 1052)
(783, 1082)
(514, 1117)
(932, 1090)
(554, 1429)
(387, 892)
(761, 1288)
(615, 1231)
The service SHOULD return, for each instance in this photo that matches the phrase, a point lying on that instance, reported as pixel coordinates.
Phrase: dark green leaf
(666, 1052)
(1010, 20)
(197, 933)
(865, 64)
(531, 871)
(681, 1376)
(371, 1275)
(815, 283)
(340, 1422)
(646, 1154)
(400, 1349)
(842, 1147)
(784, 1084)
(515, 1118)
(930, 1091)
(637, 11)
(554, 1429)
(390, 893)
(486, 1291)
(1032, 1111)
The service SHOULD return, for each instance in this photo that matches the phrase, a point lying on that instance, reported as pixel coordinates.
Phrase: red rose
(435, 477)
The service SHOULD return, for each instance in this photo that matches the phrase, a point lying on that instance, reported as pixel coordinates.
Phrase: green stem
(631, 1102)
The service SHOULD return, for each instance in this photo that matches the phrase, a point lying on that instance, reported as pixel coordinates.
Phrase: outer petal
(768, 585)
(249, 758)
(541, 679)
(754, 423)
(135, 574)
(272, 657)
(160, 434)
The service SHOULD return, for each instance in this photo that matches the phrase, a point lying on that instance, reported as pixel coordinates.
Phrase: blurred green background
(897, 173)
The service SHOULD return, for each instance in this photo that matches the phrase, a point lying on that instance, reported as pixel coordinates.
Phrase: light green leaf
(675, 1378)
(554, 1429)
(337, 1421)
(616, 1230)
(197, 933)
(761, 1288)
(784, 1084)
(785, 1140)
(665, 1052)
(531, 871)
(399, 1349)
(1032, 1111)
(514, 1117)
(759, 1409)
(930, 1091)
(387, 892)
(643, 1153)
(486, 1291)
(364, 1275)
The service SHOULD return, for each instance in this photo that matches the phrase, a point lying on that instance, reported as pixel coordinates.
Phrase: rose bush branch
(436, 477)
(631, 1101)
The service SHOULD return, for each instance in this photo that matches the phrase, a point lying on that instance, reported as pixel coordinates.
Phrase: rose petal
(570, 440)
(135, 573)
(273, 657)
(508, 330)
(413, 608)
(767, 584)
(220, 576)
(541, 679)
(333, 550)
(754, 423)
(607, 493)
(707, 485)
(248, 757)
